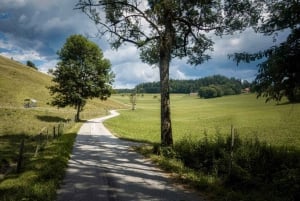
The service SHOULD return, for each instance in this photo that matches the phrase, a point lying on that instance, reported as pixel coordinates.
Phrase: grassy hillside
(18, 82)
(41, 170)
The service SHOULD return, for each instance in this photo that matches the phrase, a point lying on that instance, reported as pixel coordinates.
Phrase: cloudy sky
(36, 29)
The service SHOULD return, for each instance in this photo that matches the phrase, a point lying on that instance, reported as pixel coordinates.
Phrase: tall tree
(166, 29)
(279, 74)
(81, 73)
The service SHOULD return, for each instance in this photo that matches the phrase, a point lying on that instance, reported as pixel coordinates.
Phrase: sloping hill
(18, 82)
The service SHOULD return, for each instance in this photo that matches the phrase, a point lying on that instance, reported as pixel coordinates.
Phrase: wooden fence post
(54, 135)
(20, 158)
(39, 144)
(231, 148)
(47, 135)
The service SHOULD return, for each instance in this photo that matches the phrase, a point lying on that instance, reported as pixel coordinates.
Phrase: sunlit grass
(278, 124)
(209, 121)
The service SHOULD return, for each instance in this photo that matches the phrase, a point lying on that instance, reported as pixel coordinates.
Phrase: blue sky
(36, 29)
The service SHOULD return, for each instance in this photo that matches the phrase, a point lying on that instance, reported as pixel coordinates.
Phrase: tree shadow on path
(103, 167)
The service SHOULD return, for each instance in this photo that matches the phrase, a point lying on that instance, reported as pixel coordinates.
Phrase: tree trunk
(165, 58)
(77, 116)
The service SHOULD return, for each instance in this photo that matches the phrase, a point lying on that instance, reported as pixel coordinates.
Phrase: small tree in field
(132, 98)
(166, 29)
(81, 73)
(31, 64)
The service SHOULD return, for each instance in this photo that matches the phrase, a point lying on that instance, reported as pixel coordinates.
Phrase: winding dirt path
(103, 168)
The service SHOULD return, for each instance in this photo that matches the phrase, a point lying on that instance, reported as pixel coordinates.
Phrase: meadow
(261, 162)
(276, 123)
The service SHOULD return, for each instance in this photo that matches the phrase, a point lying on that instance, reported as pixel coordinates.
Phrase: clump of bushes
(250, 169)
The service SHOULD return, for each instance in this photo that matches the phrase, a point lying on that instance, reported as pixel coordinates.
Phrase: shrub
(248, 166)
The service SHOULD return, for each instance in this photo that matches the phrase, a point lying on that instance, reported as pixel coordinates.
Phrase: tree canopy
(31, 65)
(279, 74)
(82, 73)
(166, 29)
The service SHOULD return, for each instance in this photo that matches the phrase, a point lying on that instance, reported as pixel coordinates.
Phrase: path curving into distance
(104, 168)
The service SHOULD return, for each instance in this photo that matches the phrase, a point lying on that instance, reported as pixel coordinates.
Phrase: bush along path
(103, 167)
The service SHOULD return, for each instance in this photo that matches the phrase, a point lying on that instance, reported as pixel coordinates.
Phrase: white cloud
(133, 73)
(24, 55)
(126, 53)
(5, 45)
(48, 65)
(22, 18)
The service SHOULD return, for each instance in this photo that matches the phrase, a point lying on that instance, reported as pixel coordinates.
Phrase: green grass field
(277, 124)
(261, 168)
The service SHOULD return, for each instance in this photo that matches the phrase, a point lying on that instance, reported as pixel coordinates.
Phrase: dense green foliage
(279, 73)
(252, 169)
(208, 87)
(31, 64)
(82, 73)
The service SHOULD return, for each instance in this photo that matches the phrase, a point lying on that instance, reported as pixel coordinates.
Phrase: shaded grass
(40, 175)
(252, 170)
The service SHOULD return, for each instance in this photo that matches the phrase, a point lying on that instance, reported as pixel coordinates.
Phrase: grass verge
(251, 170)
(265, 163)
(40, 175)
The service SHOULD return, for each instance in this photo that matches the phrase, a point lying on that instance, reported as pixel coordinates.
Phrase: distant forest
(208, 87)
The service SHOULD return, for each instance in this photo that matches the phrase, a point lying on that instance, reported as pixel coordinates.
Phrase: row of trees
(217, 85)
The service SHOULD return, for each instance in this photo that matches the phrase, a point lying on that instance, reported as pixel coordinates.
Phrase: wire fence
(38, 142)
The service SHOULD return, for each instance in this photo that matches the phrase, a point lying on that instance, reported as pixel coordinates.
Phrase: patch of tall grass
(250, 170)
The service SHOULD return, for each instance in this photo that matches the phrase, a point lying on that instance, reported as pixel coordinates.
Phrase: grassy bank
(40, 173)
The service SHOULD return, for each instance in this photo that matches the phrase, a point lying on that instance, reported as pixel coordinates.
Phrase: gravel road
(104, 168)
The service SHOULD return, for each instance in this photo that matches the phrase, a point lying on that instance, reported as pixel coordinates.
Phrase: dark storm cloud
(40, 25)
